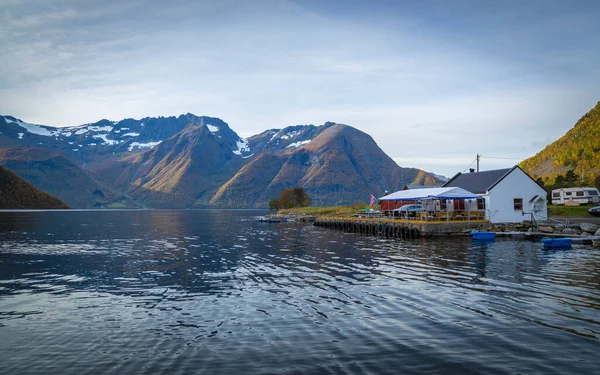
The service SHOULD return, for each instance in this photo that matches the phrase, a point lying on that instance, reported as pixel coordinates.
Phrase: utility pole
(478, 156)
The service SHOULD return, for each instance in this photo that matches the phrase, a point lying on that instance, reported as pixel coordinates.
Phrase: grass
(569, 211)
(554, 211)
(330, 210)
(117, 205)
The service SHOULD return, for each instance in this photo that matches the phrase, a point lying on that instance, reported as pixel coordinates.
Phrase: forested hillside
(578, 150)
(16, 193)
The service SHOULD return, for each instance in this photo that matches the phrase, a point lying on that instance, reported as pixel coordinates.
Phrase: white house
(508, 195)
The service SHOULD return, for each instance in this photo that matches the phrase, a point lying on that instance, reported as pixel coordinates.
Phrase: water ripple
(188, 291)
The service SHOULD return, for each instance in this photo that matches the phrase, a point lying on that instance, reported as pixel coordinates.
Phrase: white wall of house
(501, 197)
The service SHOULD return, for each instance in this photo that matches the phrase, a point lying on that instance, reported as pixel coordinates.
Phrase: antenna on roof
(478, 156)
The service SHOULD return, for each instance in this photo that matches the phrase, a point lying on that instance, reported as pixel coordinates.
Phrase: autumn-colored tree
(578, 149)
(290, 198)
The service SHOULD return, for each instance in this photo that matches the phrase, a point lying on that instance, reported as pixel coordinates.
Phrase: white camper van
(583, 195)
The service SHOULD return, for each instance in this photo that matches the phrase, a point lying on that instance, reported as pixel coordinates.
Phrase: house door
(459, 205)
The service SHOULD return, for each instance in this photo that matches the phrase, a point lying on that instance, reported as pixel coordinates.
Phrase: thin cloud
(472, 76)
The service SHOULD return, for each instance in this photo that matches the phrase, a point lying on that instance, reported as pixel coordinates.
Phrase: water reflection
(165, 282)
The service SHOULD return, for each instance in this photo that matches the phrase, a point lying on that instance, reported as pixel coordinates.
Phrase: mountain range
(197, 161)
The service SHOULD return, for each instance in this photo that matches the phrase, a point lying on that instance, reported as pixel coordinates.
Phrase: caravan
(582, 195)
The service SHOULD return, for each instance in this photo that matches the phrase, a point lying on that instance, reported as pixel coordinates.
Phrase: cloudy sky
(434, 82)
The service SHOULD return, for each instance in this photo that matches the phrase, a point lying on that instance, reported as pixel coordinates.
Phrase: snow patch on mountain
(274, 132)
(298, 144)
(131, 134)
(242, 146)
(106, 128)
(107, 141)
(31, 128)
(142, 145)
(289, 135)
(212, 128)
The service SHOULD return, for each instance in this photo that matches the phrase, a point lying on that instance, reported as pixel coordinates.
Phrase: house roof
(436, 193)
(478, 182)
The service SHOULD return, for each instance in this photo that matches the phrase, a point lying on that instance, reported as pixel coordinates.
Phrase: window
(443, 205)
(579, 193)
(592, 192)
(556, 195)
(568, 193)
(518, 203)
(481, 203)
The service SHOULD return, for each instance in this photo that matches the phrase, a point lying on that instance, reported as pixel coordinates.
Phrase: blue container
(483, 235)
(553, 243)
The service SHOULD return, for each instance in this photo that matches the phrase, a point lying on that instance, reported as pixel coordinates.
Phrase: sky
(434, 82)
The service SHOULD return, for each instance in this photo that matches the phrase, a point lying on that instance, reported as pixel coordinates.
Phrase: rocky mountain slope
(340, 165)
(182, 171)
(191, 161)
(16, 193)
(54, 173)
(579, 147)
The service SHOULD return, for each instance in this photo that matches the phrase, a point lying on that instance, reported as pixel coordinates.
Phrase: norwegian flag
(372, 200)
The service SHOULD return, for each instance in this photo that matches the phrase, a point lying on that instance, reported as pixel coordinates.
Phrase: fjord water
(217, 292)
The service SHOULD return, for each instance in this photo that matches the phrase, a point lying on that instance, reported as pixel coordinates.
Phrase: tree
(597, 182)
(559, 182)
(274, 204)
(571, 178)
(290, 198)
(540, 181)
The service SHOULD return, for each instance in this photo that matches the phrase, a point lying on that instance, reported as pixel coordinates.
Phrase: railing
(566, 222)
(441, 216)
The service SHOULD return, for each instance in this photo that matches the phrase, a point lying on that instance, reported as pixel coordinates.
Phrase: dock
(404, 229)
(412, 229)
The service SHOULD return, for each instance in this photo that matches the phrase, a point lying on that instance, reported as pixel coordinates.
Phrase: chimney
(471, 170)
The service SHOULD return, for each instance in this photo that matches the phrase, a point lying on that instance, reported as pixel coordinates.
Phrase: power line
(497, 157)
(474, 160)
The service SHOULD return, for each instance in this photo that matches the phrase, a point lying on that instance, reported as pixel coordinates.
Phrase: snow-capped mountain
(85, 142)
(199, 161)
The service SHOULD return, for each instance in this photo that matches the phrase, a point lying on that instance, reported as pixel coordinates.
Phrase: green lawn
(554, 211)
(569, 211)
(330, 210)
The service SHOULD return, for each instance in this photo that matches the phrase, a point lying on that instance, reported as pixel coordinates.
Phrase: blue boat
(477, 235)
(555, 243)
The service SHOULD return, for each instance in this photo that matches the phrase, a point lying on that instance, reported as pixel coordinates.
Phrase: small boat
(556, 243)
(272, 219)
(477, 235)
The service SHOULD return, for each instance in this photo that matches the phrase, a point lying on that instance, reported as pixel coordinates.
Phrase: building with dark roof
(508, 195)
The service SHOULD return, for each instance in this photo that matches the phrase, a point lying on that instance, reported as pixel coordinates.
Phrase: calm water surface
(84, 292)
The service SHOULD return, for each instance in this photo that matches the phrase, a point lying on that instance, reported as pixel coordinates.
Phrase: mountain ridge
(198, 161)
(577, 149)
